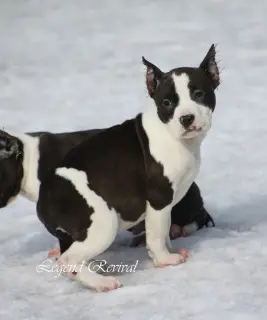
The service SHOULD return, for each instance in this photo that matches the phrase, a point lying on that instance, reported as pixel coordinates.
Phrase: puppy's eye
(166, 103)
(199, 94)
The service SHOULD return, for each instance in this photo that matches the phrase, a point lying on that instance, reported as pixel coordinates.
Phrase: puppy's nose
(187, 120)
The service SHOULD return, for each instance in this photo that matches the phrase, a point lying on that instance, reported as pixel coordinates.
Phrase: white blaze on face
(186, 106)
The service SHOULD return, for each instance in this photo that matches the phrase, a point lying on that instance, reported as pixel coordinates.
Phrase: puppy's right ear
(210, 66)
(8, 145)
(153, 77)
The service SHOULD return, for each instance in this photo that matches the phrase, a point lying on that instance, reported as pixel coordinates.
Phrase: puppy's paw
(54, 253)
(172, 259)
(106, 284)
(184, 253)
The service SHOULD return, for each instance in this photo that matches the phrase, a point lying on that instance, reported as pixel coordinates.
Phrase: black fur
(11, 174)
(53, 147)
(210, 67)
(190, 209)
(75, 223)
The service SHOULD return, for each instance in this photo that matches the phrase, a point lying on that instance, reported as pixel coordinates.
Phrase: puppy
(188, 216)
(25, 160)
(132, 171)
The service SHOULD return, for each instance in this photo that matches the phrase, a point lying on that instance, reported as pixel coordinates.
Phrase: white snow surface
(76, 64)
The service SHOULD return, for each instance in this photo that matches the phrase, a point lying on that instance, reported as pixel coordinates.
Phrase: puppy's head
(185, 97)
(11, 171)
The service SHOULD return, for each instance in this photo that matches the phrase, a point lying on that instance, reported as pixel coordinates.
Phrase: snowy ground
(68, 65)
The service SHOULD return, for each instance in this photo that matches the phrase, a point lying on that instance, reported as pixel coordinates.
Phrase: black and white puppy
(26, 158)
(133, 171)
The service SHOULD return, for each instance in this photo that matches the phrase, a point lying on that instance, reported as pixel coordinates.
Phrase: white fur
(61, 230)
(30, 183)
(157, 237)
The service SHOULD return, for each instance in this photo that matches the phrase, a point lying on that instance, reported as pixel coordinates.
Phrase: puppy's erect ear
(8, 145)
(209, 65)
(153, 77)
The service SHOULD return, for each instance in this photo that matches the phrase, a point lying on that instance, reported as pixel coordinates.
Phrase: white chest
(181, 168)
(183, 183)
(180, 158)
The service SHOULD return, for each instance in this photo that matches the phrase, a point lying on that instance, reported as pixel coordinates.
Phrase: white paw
(63, 260)
(54, 253)
(107, 284)
(168, 260)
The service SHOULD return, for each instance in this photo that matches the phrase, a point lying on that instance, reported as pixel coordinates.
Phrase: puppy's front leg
(168, 239)
(157, 233)
(169, 245)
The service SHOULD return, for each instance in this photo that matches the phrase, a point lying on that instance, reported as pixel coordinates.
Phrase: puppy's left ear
(209, 65)
(153, 77)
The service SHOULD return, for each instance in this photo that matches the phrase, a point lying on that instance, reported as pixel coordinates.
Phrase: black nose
(187, 120)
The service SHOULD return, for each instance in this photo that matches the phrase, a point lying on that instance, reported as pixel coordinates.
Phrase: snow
(67, 65)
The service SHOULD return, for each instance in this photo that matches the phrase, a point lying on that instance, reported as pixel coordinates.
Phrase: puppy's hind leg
(65, 241)
(100, 235)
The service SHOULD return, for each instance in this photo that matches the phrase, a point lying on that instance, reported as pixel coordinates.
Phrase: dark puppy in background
(188, 216)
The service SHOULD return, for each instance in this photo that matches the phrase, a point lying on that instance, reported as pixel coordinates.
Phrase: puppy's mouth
(193, 130)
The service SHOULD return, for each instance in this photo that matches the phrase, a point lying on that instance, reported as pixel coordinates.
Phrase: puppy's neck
(30, 183)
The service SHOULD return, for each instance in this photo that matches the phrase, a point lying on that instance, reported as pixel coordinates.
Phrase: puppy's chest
(181, 170)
